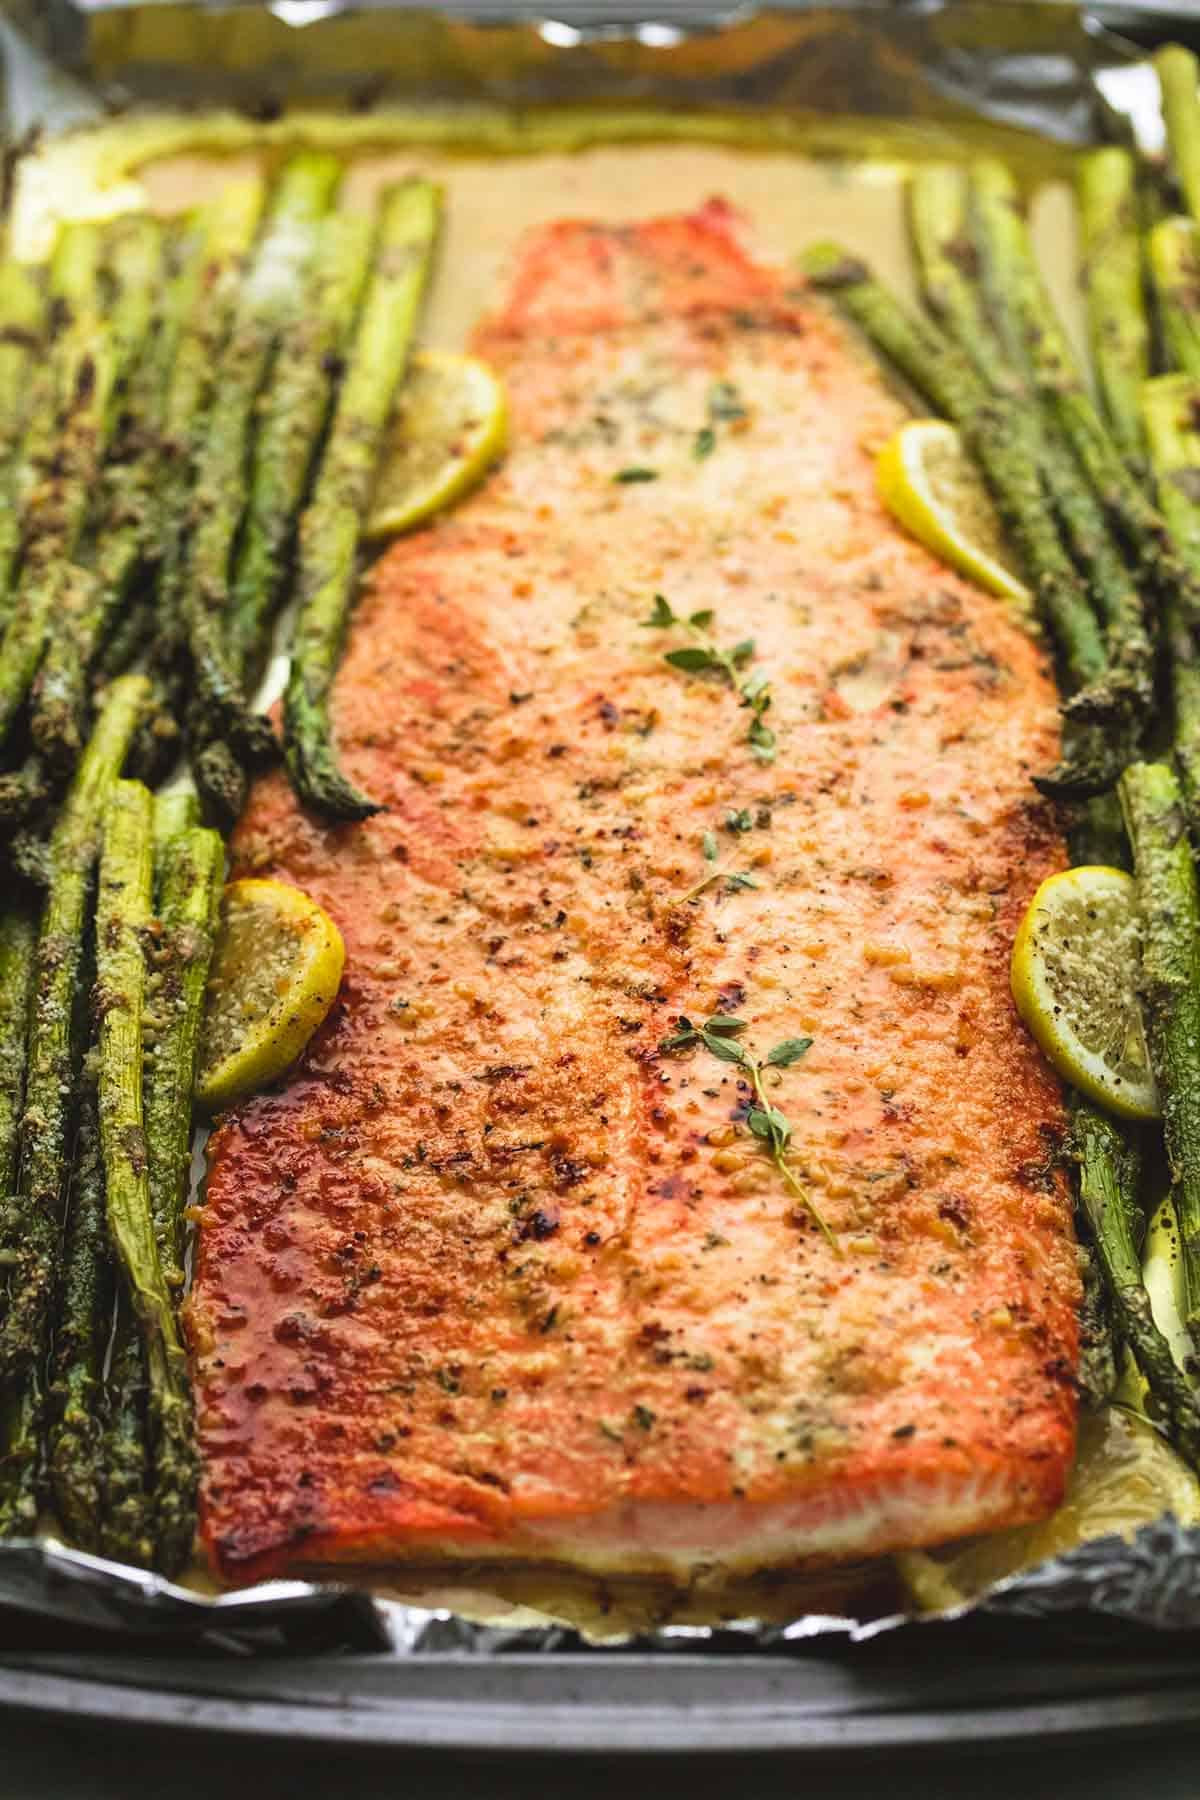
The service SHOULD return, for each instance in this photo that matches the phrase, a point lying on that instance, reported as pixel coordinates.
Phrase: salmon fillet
(494, 1276)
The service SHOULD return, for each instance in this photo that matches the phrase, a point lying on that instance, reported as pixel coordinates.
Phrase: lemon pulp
(276, 968)
(1075, 967)
(927, 481)
(450, 425)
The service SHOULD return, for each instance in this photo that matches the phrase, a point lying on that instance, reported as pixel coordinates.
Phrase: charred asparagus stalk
(1171, 410)
(101, 347)
(1109, 1176)
(189, 874)
(1173, 253)
(17, 942)
(123, 920)
(54, 1039)
(1031, 331)
(17, 1407)
(1170, 912)
(1177, 72)
(946, 258)
(21, 327)
(75, 1438)
(226, 230)
(21, 1411)
(1112, 279)
(126, 524)
(61, 408)
(270, 296)
(332, 524)
(127, 1530)
(292, 420)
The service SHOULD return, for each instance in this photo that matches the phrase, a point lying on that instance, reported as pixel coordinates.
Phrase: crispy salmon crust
(494, 1277)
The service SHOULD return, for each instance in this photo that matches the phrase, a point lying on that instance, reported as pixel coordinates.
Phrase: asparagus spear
(292, 420)
(21, 1411)
(175, 811)
(63, 389)
(990, 423)
(1030, 329)
(54, 1047)
(1166, 879)
(101, 349)
(1109, 1172)
(131, 633)
(1177, 72)
(226, 230)
(21, 324)
(127, 1530)
(1112, 279)
(190, 872)
(123, 919)
(126, 527)
(1171, 411)
(75, 1441)
(17, 941)
(22, 315)
(1173, 252)
(332, 524)
(946, 258)
(269, 299)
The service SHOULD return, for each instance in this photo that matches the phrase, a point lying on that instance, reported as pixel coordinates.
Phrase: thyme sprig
(705, 656)
(719, 1035)
(737, 878)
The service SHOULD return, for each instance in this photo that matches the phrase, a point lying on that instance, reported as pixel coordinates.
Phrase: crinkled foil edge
(840, 70)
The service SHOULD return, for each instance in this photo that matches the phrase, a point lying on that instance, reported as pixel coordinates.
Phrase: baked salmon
(496, 1275)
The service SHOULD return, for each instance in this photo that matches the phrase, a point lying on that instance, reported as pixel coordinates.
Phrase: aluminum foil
(1020, 76)
(1029, 67)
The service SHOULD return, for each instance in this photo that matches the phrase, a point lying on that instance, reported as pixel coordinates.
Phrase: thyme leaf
(735, 879)
(719, 1035)
(705, 656)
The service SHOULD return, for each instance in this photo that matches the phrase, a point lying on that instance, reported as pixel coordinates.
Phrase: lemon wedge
(450, 425)
(1125, 1476)
(277, 964)
(1075, 966)
(929, 483)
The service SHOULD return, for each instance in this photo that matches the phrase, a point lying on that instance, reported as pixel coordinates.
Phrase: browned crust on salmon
(493, 1277)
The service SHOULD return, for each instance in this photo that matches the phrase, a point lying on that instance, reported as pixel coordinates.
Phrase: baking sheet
(708, 108)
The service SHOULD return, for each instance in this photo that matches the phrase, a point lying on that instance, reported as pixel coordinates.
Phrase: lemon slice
(1125, 1476)
(928, 482)
(450, 425)
(1075, 965)
(277, 964)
